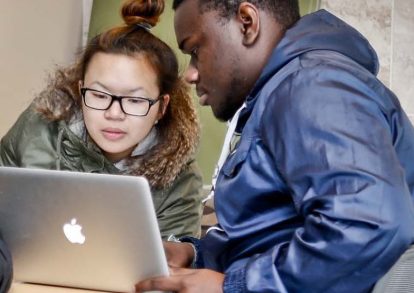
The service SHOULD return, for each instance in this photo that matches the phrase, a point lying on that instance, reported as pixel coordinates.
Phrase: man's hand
(185, 281)
(179, 255)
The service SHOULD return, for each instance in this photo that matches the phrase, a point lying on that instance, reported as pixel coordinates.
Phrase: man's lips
(202, 97)
(113, 133)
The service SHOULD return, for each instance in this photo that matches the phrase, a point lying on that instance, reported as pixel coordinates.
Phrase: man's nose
(191, 75)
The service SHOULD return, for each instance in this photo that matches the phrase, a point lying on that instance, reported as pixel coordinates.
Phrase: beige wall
(37, 34)
(34, 36)
(389, 26)
(402, 48)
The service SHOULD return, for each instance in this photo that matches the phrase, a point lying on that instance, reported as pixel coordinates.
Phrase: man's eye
(194, 52)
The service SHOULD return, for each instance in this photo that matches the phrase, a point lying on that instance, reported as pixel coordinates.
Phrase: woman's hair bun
(142, 11)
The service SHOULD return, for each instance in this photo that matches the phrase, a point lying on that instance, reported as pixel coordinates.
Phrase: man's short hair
(286, 12)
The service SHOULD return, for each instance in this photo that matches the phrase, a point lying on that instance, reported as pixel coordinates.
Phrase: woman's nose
(115, 111)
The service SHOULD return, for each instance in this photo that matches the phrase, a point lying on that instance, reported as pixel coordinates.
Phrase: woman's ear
(80, 83)
(165, 100)
(248, 16)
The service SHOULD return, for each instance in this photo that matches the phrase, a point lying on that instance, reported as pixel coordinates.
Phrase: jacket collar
(320, 30)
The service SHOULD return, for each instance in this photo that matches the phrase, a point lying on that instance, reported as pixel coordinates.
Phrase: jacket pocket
(236, 159)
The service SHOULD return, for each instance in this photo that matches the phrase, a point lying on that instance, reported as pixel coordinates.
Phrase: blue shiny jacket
(318, 196)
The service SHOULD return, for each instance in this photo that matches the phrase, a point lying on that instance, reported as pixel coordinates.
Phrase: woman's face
(115, 132)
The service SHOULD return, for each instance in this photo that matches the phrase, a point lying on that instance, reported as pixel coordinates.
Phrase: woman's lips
(113, 134)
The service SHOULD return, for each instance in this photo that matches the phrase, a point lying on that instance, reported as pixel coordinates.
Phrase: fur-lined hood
(176, 141)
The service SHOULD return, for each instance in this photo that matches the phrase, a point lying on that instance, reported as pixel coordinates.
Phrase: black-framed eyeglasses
(135, 106)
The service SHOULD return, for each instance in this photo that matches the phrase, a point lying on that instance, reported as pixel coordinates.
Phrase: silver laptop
(81, 230)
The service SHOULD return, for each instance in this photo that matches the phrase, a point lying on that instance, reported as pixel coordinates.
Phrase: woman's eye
(100, 96)
(134, 100)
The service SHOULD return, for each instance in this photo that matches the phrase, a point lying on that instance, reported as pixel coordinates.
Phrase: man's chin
(221, 115)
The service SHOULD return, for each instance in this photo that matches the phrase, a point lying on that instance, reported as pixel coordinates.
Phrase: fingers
(179, 254)
(185, 281)
(172, 283)
(161, 284)
(180, 271)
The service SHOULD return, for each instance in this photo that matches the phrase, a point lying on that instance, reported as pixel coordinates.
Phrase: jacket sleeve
(16, 139)
(179, 207)
(30, 142)
(5, 154)
(8, 147)
(333, 143)
(6, 272)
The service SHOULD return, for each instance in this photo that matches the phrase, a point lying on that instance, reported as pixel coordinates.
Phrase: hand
(185, 281)
(179, 255)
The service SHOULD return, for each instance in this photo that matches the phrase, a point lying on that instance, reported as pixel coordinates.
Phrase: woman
(121, 109)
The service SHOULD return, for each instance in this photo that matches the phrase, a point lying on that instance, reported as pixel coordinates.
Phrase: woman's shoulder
(179, 205)
(188, 182)
(30, 133)
(30, 123)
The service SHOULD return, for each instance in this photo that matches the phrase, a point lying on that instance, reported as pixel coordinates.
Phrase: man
(317, 194)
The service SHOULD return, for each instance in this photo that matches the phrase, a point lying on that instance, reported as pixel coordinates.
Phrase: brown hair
(178, 130)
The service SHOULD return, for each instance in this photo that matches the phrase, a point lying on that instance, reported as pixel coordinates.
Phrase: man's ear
(248, 16)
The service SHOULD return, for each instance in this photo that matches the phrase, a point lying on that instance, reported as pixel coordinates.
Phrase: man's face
(215, 68)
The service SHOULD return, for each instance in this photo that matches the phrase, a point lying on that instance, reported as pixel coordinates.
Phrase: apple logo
(73, 232)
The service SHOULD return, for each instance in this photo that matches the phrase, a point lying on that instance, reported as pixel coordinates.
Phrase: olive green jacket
(36, 142)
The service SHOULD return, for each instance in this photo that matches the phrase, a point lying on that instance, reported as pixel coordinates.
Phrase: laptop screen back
(80, 230)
